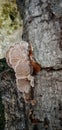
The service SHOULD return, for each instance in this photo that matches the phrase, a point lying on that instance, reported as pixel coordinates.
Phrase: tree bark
(14, 106)
(42, 21)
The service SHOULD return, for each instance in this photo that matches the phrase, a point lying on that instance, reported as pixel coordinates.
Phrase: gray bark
(42, 21)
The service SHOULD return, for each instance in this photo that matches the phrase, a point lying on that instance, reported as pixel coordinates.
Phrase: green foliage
(9, 16)
(9, 9)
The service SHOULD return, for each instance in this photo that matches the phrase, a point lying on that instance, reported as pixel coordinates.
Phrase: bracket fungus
(17, 57)
(20, 57)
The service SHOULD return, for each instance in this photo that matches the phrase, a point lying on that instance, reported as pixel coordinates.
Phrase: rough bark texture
(43, 27)
(14, 106)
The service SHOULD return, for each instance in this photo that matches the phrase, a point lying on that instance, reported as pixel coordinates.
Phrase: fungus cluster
(17, 57)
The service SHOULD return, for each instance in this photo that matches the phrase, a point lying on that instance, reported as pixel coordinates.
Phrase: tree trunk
(42, 21)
